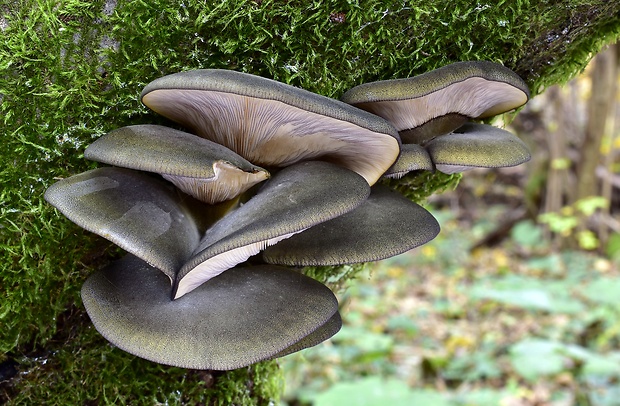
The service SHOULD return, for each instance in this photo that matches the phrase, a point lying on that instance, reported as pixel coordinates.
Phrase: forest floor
(453, 323)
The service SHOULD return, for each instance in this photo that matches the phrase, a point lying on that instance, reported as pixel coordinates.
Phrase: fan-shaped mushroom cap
(133, 210)
(296, 198)
(477, 146)
(413, 157)
(241, 317)
(273, 124)
(202, 168)
(386, 224)
(439, 101)
(327, 330)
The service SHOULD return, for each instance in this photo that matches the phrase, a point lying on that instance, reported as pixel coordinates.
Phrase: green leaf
(376, 391)
(604, 291)
(602, 365)
(527, 234)
(528, 294)
(613, 246)
(536, 358)
(589, 205)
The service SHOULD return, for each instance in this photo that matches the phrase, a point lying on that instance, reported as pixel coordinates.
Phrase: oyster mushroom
(440, 101)
(477, 146)
(386, 224)
(413, 157)
(273, 124)
(135, 211)
(201, 168)
(241, 317)
(294, 199)
(327, 330)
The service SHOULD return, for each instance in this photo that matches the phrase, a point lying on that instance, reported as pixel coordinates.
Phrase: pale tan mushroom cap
(204, 169)
(471, 89)
(273, 124)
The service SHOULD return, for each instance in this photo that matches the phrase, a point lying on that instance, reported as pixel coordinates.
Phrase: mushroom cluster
(218, 221)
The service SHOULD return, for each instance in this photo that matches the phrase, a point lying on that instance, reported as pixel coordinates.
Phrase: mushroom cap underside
(432, 81)
(241, 317)
(202, 168)
(474, 89)
(294, 199)
(273, 124)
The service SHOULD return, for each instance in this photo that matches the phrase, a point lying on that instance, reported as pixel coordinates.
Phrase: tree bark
(602, 98)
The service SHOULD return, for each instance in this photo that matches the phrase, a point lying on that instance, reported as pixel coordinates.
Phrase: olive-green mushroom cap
(204, 169)
(327, 330)
(273, 124)
(440, 101)
(386, 224)
(294, 199)
(241, 317)
(477, 146)
(413, 157)
(137, 212)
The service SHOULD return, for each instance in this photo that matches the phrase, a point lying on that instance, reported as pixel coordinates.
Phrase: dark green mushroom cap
(327, 330)
(204, 169)
(477, 146)
(296, 198)
(386, 224)
(413, 157)
(135, 211)
(273, 124)
(241, 317)
(442, 100)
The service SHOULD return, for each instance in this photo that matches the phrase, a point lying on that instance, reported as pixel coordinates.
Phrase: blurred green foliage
(507, 324)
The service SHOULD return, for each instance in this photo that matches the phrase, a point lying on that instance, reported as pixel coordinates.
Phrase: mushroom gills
(274, 124)
(437, 102)
(201, 168)
(434, 127)
(294, 199)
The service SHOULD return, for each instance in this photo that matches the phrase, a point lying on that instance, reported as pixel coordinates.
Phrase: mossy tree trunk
(71, 71)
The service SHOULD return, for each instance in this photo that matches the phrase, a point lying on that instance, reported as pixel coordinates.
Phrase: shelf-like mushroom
(204, 169)
(135, 211)
(413, 157)
(273, 124)
(294, 199)
(386, 224)
(241, 317)
(477, 146)
(327, 330)
(439, 101)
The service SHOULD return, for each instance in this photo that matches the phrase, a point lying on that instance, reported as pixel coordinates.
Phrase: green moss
(419, 185)
(71, 70)
(80, 367)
